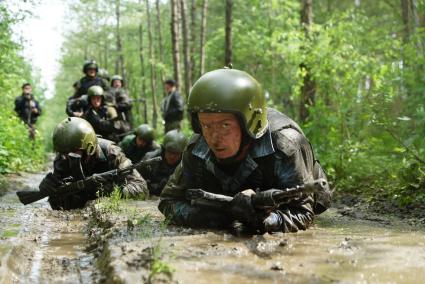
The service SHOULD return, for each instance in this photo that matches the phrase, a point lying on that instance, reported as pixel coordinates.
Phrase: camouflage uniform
(99, 155)
(120, 99)
(156, 173)
(281, 158)
(107, 157)
(275, 155)
(100, 120)
(133, 152)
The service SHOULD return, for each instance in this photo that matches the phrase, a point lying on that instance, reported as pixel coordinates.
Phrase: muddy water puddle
(41, 245)
(336, 250)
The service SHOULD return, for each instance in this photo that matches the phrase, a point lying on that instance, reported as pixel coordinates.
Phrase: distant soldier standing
(157, 173)
(135, 146)
(28, 108)
(172, 107)
(75, 136)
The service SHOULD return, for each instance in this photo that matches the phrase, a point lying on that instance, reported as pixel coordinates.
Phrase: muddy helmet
(117, 77)
(73, 134)
(95, 91)
(146, 132)
(174, 141)
(230, 90)
(90, 64)
(104, 74)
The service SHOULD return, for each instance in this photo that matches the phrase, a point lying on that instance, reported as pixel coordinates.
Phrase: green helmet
(104, 74)
(90, 64)
(73, 134)
(174, 141)
(95, 91)
(230, 90)
(117, 77)
(146, 132)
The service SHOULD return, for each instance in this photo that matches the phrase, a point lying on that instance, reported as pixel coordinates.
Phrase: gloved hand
(49, 184)
(102, 183)
(242, 208)
(272, 222)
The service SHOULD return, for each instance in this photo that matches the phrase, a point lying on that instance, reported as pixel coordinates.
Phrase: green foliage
(17, 151)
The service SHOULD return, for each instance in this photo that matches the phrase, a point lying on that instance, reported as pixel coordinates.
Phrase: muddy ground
(120, 241)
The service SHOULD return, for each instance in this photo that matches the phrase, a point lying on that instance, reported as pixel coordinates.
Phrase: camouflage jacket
(281, 158)
(132, 151)
(119, 98)
(156, 173)
(107, 157)
(109, 129)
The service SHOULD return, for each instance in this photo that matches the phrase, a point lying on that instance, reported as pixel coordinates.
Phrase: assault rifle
(71, 186)
(266, 200)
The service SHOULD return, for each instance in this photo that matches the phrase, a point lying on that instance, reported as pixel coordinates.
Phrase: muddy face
(222, 133)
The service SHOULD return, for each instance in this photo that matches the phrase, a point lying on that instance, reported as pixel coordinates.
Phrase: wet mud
(127, 241)
(38, 245)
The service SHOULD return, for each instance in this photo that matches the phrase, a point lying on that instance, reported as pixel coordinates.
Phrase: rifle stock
(30, 196)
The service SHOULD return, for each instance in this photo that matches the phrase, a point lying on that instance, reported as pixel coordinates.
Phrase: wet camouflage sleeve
(177, 209)
(293, 166)
(133, 185)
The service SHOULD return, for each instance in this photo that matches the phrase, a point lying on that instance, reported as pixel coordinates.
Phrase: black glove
(242, 208)
(49, 184)
(102, 183)
(272, 222)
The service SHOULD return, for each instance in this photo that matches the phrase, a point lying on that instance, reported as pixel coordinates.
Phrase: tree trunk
(175, 40)
(228, 56)
(192, 39)
(406, 9)
(161, 47)
(119, 64)
(152, 65)
(142, 70)
(187, 68)
(308, 88)
(203, 37)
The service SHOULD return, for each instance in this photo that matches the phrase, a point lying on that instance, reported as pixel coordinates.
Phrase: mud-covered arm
(177, 209)
(133, 185)
(294, 166)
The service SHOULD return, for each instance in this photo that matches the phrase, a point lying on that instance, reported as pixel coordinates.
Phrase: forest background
(350, 72)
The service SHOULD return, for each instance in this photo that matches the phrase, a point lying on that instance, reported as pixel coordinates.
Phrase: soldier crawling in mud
(75, 136)
(157, 173)
(241, 146)
(77, 103)
(135, 146)
(28, 108)
(99, 117)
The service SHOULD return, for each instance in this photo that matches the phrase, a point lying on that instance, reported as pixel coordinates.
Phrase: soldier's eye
(225, 125)
(204, 126)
